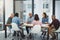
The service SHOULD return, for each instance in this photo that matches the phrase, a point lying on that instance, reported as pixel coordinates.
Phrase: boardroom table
(42, 26)
(28, 25)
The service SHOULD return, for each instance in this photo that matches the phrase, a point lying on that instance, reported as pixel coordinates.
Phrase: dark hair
(45, 14)
(36, 17)
(16, 14)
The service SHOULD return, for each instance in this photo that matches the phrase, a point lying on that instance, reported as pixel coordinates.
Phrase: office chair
(57, 32)
(36, 30)
(15, 28)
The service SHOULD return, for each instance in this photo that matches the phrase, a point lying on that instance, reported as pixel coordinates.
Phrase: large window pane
(38, 7)
(28, 9)
(23, 8)
(41, 6)
(1, 14)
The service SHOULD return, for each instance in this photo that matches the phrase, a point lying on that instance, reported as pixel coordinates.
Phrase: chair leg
(15, 36)
(20, 36)
(9, 33)
(32, 35)
(57, 36)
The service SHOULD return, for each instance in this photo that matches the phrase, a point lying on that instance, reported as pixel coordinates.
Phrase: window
(1, 14)
(23, 8)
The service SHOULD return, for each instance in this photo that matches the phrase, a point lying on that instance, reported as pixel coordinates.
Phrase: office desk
(42, 26)
(28, 25)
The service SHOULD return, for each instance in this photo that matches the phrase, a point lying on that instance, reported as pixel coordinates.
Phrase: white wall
(57, 9)
(8, 8)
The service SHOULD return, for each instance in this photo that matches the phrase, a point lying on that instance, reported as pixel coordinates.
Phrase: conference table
(28, 25)
(45, 26)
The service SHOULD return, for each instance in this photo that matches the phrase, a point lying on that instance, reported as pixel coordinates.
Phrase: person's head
(12, 15)
(44, 15)
(53, 17)
(16, 14)
(30, 14)
(36, 17)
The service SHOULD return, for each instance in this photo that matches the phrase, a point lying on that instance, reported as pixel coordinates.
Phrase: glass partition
(1, 14)
(23, 8)
(57, 9)
(41, 6)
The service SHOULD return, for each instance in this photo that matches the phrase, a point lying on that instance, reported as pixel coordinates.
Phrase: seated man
(16, 20)
(9, 21)
(54, 26)
(29, 21)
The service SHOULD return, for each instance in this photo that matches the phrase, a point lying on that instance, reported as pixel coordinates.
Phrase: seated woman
(36, 20)
(36, 25)
(36, 29)
(44, 18)
(44, 21)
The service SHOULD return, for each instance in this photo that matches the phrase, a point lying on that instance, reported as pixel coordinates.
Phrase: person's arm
(40, 23)
(9, 21)
(42, 20)
(33, 23)
(47, 20)
(13, 20)
(51, 24)
(19, 21)
(27, 20)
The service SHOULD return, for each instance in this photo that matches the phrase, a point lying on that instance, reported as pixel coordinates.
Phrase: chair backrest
(58, 29)
(14, 26)
(36, 29)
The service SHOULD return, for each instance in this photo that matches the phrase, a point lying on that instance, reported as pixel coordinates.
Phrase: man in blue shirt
(16, 20)
(29, 21)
